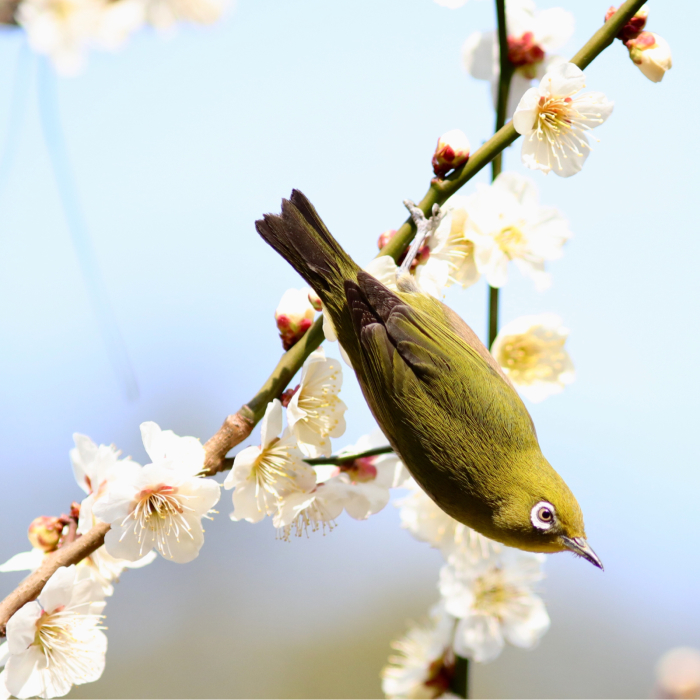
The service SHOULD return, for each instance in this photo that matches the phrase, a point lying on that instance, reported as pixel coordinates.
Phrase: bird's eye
(542, 515)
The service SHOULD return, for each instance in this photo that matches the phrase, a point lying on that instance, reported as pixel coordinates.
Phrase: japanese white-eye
(441, 399)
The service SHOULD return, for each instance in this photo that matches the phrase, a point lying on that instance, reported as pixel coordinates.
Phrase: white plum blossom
(651, 54)
(261, 476)
(495, 603)
(163, 14)
(65, 29)
(532, 36)
(427, 522)
(55, 642)
(94, 467)
(367, 479)
(531, 352)
(554, 123)
(300, 513)
(507, 223)
(159, 506)
(424, 663)
(451, 259)
(315, 413)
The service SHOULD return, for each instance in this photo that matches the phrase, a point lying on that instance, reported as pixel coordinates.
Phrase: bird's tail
(301, 238)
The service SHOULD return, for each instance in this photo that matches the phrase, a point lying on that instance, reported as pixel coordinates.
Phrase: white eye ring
(542, 516)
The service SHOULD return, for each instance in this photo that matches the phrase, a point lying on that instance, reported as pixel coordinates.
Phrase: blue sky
(176, 146)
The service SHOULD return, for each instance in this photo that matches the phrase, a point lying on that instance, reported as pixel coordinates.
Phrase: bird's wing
(409, 354)
(387, 326)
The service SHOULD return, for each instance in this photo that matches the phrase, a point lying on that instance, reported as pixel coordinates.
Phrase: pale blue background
(177, 146)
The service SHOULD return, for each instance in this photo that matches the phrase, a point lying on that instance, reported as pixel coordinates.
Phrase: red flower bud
(452, 152)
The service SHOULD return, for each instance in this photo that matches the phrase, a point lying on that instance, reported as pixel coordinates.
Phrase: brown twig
(30, 588)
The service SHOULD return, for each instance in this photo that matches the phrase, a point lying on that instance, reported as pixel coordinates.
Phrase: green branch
(345, 459)
(505, 77)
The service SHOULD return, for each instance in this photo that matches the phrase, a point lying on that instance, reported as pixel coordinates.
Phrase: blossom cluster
(479, 235)
(65, 30)
(56, 642)
(488, 598)
(275, 480)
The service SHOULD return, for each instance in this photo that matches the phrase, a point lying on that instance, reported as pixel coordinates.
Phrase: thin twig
(346, 458)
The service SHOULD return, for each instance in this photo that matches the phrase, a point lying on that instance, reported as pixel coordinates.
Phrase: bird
(441, 399)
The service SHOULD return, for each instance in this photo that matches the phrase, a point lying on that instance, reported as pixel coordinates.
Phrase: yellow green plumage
(440, 398)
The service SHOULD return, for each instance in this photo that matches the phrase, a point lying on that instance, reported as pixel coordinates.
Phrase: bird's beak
(580, 546)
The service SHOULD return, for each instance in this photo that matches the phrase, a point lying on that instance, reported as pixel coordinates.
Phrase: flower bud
(634, 25)
(294, 316)
(523, 51)
(45, 532)
(315, 300)
(451, 153)
(385, 237)
(651, 54)
(360, 470)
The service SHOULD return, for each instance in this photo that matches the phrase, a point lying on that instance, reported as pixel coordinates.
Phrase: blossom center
(60, 635)
(160, 512)
(492, 594)
(511, 240)
(523, 356)
(360, 470)
(271, 467)
(320, 406)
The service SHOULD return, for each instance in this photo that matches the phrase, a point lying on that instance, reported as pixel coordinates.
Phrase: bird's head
(542, 515)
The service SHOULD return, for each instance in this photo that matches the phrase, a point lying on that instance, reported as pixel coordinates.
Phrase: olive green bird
(438, 395)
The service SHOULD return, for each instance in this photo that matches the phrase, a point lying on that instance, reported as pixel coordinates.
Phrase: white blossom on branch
(55, 641)
(507, 223)
(494, 601)
(424, 662)
(532, 37)
(531, 352)
(554, 122)
(261, 476)
(316, 413)
(159, 506)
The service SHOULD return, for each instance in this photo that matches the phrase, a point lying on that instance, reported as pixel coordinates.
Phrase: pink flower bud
(421, 256)
(451, 153)
(651, 54)
(360, 470)
(45, 532)
(523, 51)
(634, 25)
(385, 237)
(315, 300)
(294, 316)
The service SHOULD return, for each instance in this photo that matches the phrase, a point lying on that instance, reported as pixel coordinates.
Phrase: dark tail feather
(301, 238)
